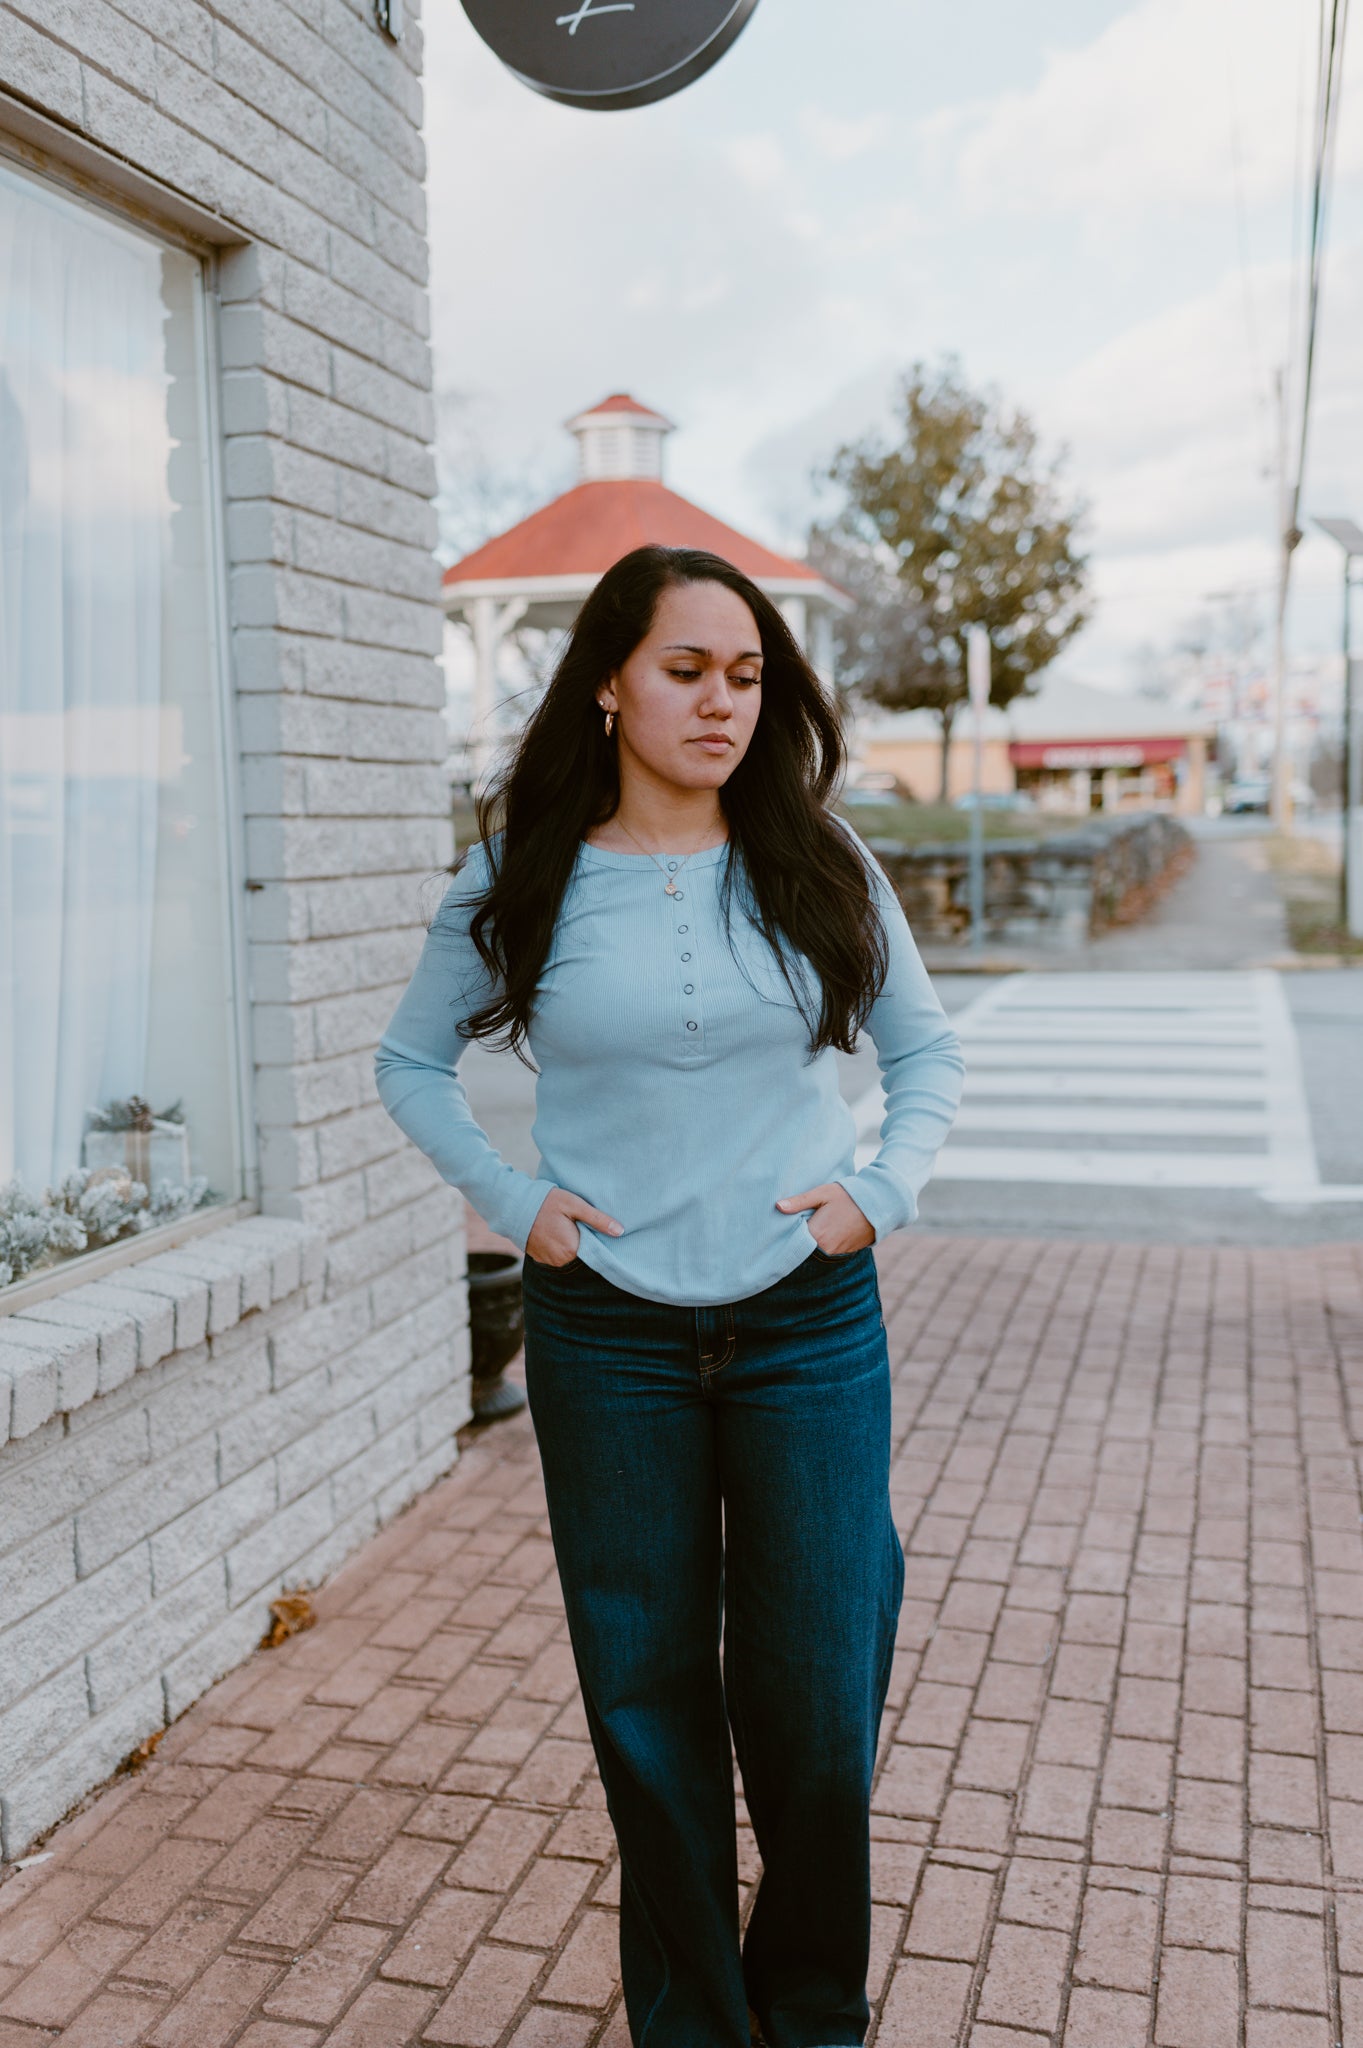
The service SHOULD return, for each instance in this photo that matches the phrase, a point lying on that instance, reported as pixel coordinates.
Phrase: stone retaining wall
(1055, 893)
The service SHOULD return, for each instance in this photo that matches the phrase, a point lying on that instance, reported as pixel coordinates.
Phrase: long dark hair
(802, 881)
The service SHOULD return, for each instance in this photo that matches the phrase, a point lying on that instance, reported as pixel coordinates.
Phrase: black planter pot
(496, 1332)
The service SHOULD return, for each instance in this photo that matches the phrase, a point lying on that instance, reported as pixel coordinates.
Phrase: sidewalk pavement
(1121, 1794)
(1225, 910)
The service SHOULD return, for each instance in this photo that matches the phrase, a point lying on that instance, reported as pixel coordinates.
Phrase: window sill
(61, 1346)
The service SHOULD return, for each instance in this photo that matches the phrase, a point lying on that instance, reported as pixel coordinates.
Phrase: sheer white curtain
(83, 521)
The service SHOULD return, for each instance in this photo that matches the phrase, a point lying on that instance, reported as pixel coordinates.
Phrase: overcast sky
(1091, 202)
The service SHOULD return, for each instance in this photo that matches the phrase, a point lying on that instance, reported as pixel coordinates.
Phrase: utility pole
(1288, 538)
(977, 675)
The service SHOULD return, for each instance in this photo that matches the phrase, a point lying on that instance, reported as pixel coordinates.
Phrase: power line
(1329, 80)
(1332, 24)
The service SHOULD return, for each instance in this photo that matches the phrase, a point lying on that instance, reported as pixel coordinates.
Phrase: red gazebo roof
(591, 526)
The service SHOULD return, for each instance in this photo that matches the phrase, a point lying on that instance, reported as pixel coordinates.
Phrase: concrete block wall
(235, 1436)
(294, 128)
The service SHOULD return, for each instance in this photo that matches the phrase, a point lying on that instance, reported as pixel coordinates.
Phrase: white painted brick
(51, 1714)
(437, 1272)
(95, 1750)
(403, 1177)
(287, 1159)
(410, 464)
(363, 1253)
(349, 1532)
(127, 1514)
(256, 337)
(189, 1409)
(36, 67)
(310, 1459)
(325, 428)
(37, 1571)
(362, 790)
(162, 1631)
(213, 1654)
(114, 1331)
(431, 1466)
(364, 1479)
(383, 621)
(266, 1557)
(287, 1245)
(320, 1337)
(354, 1140)
(188, 1298)
(255, 1434)
(225, 1254)
(74, 1351)
(46, 1479)
(297, 849)
(59, 1632)
(153, 1313)
(383, 675)
(209, 1530)
(32, 1380)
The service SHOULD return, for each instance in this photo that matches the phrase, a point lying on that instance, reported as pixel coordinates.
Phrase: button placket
(683, 942)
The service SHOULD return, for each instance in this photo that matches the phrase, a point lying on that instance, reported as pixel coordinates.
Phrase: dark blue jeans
(727, 1465)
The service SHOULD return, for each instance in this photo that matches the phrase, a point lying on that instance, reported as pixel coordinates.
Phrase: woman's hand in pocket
(555, 1238)
(837, 1225)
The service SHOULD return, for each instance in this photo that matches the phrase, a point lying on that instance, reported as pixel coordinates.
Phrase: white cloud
(839, 139)
(1153, 112)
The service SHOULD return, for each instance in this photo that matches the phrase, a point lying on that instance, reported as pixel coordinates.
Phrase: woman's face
(688, 698)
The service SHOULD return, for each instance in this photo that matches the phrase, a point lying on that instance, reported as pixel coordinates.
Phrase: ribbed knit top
(675, 1089)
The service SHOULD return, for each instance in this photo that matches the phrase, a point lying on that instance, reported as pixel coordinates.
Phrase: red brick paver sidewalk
(1121, 1799)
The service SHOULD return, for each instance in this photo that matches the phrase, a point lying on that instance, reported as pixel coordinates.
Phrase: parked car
(1248, 793)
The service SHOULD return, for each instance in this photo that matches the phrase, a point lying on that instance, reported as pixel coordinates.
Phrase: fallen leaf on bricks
(293, 1612)
(143, 1753)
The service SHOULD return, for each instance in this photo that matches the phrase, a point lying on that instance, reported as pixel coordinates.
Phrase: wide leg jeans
(727, 1469)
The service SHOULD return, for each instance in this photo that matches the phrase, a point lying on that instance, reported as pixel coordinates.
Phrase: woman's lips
(714, 743)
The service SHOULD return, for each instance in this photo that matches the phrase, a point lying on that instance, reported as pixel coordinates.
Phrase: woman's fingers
(597, 1219)
(812, 1198)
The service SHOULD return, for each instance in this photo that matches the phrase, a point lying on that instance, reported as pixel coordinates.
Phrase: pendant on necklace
(670, 888)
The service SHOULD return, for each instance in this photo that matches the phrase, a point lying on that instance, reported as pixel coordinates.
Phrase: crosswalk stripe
(1076, 1064)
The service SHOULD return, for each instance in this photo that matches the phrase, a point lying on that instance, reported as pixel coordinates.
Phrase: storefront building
(1070, 749)
(232, 1309)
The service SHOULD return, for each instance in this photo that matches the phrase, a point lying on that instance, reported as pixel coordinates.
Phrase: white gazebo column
(490, 623)
(793, 610)
(820, 647)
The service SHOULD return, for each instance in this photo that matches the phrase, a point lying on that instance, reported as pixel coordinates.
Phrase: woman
(673, 922)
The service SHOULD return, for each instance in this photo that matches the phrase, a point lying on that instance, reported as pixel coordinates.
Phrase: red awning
(1095, 753)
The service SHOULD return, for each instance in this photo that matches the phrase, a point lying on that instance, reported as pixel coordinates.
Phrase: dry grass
(1307, 873)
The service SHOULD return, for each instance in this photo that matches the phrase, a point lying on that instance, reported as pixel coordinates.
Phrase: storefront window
(119, 1108)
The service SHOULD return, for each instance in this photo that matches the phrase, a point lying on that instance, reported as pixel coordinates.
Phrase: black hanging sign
(608, 53)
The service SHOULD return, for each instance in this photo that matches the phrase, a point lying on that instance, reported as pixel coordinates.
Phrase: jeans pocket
(541, 1266)
(837, 1258)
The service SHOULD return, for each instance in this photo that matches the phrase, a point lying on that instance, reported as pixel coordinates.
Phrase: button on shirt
(675, 1089)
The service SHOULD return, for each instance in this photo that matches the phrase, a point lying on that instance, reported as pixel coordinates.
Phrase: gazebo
(539, 572)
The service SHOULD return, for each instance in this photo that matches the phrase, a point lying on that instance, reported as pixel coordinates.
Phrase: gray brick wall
(298, 125)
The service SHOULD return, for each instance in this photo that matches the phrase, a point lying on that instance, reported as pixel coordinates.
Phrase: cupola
(619, 438)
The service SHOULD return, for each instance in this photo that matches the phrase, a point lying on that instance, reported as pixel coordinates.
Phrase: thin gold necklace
(669, 880)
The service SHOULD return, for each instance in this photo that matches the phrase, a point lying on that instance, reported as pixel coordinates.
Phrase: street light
(1348, 535)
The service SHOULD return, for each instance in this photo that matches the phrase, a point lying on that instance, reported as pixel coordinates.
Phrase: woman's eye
(747, 679)
(686, 675)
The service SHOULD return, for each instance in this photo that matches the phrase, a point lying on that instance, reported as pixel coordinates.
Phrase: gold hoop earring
(610, 723)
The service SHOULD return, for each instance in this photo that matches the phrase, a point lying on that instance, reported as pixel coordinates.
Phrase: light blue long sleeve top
(675, 1089)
